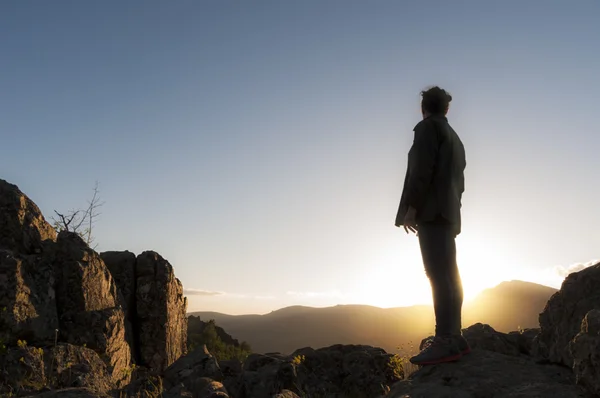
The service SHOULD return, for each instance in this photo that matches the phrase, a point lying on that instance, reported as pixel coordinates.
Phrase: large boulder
(23, 228)
(75, 366)
(561, 319)
(72, 393)
(485, 337)
(339, 370)
(161, 312)
(585, 350)
(89, 309)
(26, 369)
(195, 371)
(27, 300)
(122, 268)
(22, 370)
(489, 374)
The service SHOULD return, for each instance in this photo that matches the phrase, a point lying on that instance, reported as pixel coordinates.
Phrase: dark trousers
(438, 248)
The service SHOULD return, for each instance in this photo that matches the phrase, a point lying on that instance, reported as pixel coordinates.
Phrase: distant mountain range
(506, 307)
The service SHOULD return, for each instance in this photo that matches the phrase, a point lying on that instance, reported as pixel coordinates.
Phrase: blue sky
(261, 146)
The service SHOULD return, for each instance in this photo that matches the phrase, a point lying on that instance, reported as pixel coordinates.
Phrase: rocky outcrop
(340, 370)
(481, 336)
(489, 374)
(122, 268)
(27, 299)
(89, 309)
(196, 326)
(57, 290)
(73, 393)
(194, 371)
(161, 312)
(155, 307)
(585, 350)
(23, 228)
(75, 366)
(28, 369)
(561, 319)
(22, 370)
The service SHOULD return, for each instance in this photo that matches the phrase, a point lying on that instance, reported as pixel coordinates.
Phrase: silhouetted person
(430, 207)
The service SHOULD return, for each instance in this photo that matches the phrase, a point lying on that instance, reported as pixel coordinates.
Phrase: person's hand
(410, 220)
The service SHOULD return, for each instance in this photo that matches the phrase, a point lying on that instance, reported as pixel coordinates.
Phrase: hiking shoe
(439, 350)
(462, 343)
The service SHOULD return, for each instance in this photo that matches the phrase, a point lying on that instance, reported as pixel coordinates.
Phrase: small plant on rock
(298, 360)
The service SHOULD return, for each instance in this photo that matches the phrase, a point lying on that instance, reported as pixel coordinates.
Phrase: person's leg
(438, 250)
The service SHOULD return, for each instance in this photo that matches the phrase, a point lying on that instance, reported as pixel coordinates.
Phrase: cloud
(563, 272)
(210, 293)
(200, 292)
(329, 294)
(251, 297)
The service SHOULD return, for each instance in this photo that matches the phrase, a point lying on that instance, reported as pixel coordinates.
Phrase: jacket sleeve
(421, 163)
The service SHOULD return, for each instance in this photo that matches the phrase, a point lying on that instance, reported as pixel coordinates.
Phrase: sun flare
(399, 278)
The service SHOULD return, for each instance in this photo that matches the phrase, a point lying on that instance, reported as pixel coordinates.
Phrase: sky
(261, 146)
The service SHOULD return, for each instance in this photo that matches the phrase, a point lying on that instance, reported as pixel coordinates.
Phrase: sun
(398, 279)
(481, 265)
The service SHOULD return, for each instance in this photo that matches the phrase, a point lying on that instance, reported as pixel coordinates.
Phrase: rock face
(57, 290)
(27, 299)
(89, 309)
(192, 371)
(122, 268)
(585, 350)
(29, 369)
(161, 312)
(23, 228)
(75, 366)
(561, 320)
(486, 338)
(155, 307)
(336, 371)
(489, 374)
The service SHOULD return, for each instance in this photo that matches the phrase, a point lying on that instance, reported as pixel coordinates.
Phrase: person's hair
(435, 101)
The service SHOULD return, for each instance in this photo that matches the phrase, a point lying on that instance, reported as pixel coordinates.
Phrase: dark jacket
(434, 180)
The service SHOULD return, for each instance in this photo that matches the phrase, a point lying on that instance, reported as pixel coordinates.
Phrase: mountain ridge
(508, 306)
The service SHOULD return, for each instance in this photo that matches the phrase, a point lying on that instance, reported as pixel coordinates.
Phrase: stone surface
(22, 370)
(585, 350)
(489, 374)
(286, 394)
(75, 366)
(72, 393)
(122, 268)
(161, 312)
(88, 304)
(28, 370)
(56, 289)
(524, 339)
(339, 370)
(143, 385)
(23, 228)
(561, 319)
(193, 371)
(27, 300)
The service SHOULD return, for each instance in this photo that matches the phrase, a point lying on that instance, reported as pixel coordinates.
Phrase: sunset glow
(261, 148)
